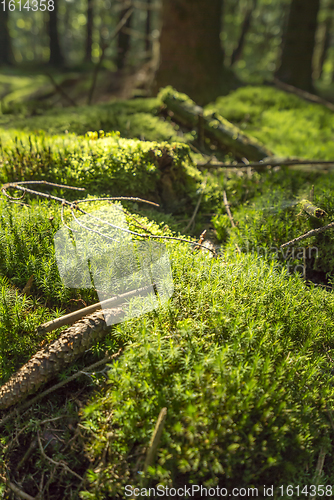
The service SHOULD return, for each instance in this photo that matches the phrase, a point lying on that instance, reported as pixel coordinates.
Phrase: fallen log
(307, 96)
(49, 361)
(311, 210)
(267, 162)
(228, 136)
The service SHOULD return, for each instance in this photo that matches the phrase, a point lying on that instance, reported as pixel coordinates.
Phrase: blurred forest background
(202, 48)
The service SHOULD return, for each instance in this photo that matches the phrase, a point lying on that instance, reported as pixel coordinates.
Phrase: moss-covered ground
(241, 355)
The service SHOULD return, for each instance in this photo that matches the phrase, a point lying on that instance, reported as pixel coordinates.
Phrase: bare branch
(227, 206)
(308, 235)
(193, 217)
(17, 490)
(61, 90)
(58, 464)
(265, 163)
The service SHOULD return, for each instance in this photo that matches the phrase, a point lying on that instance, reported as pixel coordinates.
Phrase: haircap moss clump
(243, 376)
(102, 162)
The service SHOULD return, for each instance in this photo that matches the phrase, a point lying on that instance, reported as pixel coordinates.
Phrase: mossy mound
(135, 118)
(283, 122)
(243, 377)
(271, 215)
(240, 356)
(103, 163)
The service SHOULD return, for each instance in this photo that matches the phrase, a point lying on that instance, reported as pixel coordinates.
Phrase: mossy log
(49, 361)
(214, 126)
(311, 210)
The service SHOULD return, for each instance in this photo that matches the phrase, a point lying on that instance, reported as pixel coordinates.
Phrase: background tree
(237, 52)
(323, 38)
(5, 41)
(298, 45)
(123, 39)
(56, 56)
(191, 56)
(148, 29)
(89, 30)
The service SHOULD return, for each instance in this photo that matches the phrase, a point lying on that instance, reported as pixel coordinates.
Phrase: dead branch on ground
(267, 162)
(229, 213)
(308, 234)
(307, 96)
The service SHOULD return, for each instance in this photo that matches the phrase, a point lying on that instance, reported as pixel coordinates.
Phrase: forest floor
(241, 353)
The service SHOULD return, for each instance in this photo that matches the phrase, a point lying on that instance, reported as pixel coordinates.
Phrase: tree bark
(56, 56)
(6, 56)
(191, 56)
(89, 30)
(123, 40)
(298, 45)
(228, 136)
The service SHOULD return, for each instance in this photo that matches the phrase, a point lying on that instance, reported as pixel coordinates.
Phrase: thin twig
(155, 440)
(58, 464)
(318, 470)
(193, 217)
(27, 454)
(266, 163)
(17, 490)
(119, 198)
(61, 91)
(229, 213)
(308, 235)
(137, 34)
(227, 206)
(74, 205)
(40, 396)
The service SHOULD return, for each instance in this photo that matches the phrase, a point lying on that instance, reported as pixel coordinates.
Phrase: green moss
(270, 215)
(285, 123)
(135, 118)
(110, 164)
(240, 376)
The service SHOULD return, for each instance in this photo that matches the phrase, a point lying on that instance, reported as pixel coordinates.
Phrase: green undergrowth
(135, 118)
(283, 122)
(246, 379)
(101, 162)
(267, 212)
(241, 354)
(27, 251)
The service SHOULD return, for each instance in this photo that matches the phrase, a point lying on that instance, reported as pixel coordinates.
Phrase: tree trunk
(326, 41)
(298, 45)
(56, 56)
(191, 56)
(5, 42)
(123, 40)
(89, 31)
(148, 30)
(237, 53)
(325, 46)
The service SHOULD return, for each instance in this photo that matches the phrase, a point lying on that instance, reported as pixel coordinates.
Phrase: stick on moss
(312, 210)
